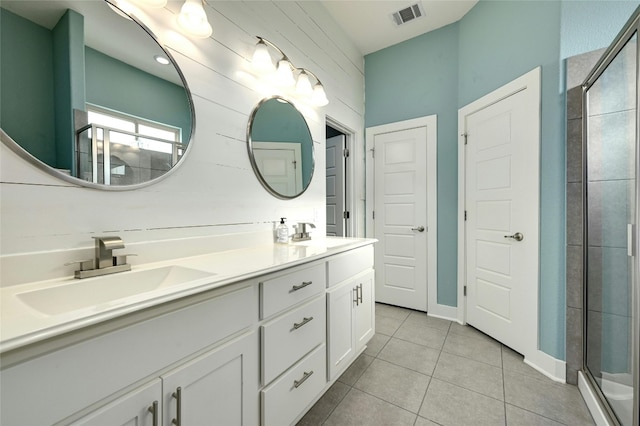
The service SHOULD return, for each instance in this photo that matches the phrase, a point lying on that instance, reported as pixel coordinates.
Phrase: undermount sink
(100, 290)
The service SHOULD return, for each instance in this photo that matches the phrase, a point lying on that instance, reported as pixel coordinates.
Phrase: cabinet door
(218, 388)
(135, 408)
(340, 339)
(364, 316)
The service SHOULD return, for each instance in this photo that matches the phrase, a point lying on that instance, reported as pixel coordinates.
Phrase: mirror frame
(41, 165)
(254, 165)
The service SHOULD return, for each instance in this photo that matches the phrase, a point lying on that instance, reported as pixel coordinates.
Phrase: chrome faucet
(301, 233)
(103, 262)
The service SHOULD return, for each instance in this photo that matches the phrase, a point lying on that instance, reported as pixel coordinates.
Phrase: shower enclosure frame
(631, 28)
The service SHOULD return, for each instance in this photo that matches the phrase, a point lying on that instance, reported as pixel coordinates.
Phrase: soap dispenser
(282, 232)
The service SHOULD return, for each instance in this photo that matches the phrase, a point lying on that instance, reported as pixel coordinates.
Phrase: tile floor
(422, 371)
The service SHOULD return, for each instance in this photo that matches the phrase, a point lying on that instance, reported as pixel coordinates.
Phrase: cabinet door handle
(178, 396)
(303, 285)
(153, 409)
(360, 293)
(297, 325)
(297, 383)
(355, 295)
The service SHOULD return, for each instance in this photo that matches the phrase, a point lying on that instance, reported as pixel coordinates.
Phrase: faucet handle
(85, 264)
(121, 259)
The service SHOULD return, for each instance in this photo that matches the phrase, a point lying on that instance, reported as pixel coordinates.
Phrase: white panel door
(401, 217)
(502, 173)
(335, 185)
(280, 165)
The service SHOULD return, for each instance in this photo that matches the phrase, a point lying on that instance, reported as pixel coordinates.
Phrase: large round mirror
(280, 147)
(89, 95)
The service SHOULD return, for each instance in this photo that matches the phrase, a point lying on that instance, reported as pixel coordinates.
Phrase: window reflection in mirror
(281, 147)
(84, 63)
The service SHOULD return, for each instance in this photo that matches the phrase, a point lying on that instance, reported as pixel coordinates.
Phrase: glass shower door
(611, 192)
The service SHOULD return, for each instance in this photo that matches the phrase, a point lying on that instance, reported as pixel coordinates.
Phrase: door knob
(419, 229)
(517, 236)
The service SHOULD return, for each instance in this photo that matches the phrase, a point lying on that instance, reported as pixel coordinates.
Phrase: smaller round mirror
(280, 147)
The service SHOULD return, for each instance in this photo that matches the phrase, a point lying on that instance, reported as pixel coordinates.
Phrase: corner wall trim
(551, 367)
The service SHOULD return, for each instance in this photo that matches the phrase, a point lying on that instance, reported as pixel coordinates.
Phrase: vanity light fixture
(285, 73)
(193, 19)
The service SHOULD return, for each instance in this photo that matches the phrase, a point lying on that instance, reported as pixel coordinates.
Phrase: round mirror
(89, 95)
(280, 147)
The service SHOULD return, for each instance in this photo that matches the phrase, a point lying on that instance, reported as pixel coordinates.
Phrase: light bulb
(284, 75)
(303, 86)
(262, 59)
(193, 19)
(319, 97)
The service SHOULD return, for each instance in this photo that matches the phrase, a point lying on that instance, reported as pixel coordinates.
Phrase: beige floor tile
(426, 336)
(392, 383)
(355, 370)
(325, 405)
(469, 374)
(518, 417)
(410, 355)
(361, 409)
(375, 345)
(556, 401)
(448, 404)
(478, 349)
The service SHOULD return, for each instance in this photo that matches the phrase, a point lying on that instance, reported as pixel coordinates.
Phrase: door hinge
(345, 215)
(464, 290)
(466, 137)
(373, 214)
(345, 153)
(373, 152)
(465, 215)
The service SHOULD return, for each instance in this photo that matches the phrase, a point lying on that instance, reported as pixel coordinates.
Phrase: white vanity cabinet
(258, 351)
(293, 340)
(350, 308)
(210, 389)
(196, 339)
(142, 407)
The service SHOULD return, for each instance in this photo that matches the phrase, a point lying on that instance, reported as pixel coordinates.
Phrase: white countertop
(21, 324)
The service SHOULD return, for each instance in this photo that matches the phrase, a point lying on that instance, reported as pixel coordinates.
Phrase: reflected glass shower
(611, 284)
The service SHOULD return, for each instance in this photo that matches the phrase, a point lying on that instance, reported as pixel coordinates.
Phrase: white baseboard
(592, 401)
(551, 367)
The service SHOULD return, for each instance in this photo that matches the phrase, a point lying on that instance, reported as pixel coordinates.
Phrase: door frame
(542, 362)
(352, 176)
(431, 123)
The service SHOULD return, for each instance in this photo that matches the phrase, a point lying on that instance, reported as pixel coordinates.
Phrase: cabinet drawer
(346, 265)
(288, 338)
(285, 398)
(280, 292)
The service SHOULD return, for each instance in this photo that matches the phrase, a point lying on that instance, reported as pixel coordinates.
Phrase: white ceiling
(370, 25)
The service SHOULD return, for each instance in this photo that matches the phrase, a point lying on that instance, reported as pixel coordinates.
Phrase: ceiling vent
(407, 14)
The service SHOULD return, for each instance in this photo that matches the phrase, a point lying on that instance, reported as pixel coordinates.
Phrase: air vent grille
(407, 14)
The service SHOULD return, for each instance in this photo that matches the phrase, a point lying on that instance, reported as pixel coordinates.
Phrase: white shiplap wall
(214, 191)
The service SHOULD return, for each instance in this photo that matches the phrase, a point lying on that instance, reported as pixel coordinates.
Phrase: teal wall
(68, 80)
(118, 86)
(26, 85)
(413, 79)
(441, 71)
(281, 122)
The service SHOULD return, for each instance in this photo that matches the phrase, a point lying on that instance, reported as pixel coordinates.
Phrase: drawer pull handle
(153, 409)
(178, 396)
(301, 286)
(297, 325)
(297, 383)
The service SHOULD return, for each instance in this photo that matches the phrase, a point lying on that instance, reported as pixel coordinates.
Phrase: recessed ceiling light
(162, 60)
